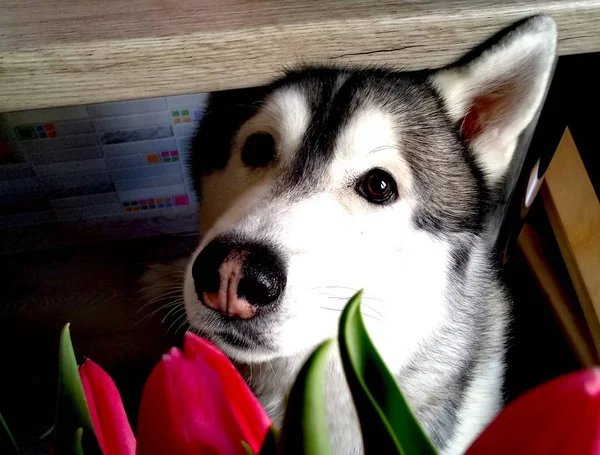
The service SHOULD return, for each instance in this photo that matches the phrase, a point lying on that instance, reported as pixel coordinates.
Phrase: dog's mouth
(241, 341)
(240, 336)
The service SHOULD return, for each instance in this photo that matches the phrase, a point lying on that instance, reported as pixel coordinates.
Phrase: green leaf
(269, 446)
(387, 423)
(72, 411)
(304, 430)
(247, 448)
(8, 445)
(78, 442)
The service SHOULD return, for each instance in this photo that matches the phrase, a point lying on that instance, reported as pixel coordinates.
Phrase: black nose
(253, 272)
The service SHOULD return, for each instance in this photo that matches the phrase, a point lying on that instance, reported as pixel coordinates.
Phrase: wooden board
(574, 214)
(65, 52)
(564, 308)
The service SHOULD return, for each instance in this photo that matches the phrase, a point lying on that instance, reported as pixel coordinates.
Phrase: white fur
(335, 242)
(389, 258)
(516, 72)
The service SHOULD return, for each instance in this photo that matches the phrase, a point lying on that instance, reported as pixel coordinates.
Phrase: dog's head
(333, 180)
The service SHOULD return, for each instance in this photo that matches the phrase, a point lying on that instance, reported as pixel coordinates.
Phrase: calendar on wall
(100, 164)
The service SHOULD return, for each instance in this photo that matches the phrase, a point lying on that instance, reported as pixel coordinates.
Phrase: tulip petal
(196, 402)
(560, 417)
(249, 413)
(112, 428)
(89, 397)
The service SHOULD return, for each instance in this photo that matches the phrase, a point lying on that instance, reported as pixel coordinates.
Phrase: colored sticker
(181, 200)
(153, 158)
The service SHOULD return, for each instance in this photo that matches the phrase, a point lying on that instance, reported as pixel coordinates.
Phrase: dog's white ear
(495, 95)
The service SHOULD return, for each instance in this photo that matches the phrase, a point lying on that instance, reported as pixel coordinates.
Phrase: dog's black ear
(494, 94)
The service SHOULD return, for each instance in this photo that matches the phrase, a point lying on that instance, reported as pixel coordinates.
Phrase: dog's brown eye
(259, 150)
(378, 186)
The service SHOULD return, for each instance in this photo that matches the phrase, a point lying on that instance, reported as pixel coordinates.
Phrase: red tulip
(111, 426)
(195, 402)
(560, 417)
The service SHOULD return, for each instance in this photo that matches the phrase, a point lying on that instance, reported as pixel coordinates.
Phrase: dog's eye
(378, 186)
(259, 150)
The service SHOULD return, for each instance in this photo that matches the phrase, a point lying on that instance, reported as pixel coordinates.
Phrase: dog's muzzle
(238, 279)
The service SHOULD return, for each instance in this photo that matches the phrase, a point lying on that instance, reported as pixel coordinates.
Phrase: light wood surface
(65, 52)
(574, 214)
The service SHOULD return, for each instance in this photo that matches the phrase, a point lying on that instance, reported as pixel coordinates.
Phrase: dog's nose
(236, 279)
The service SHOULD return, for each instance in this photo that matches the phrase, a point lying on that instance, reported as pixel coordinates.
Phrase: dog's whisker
(364, 303)
(161, 285)
(157, 301)
(152, 313)
(353, 290)
(339, 310)
(172, 310)
(181, 326)
(275, 377)
(177, 320)
(161, 308)
(343, 297)
(163, 296)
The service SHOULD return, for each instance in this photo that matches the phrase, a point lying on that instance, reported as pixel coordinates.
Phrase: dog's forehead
(319, 122)
(358, 132)
(336, 118)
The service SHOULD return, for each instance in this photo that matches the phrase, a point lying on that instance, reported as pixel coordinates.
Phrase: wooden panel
(63, 52)
(572, 324)
(574, 214)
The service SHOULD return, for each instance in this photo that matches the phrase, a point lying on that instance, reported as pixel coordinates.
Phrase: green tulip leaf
(8, 445)
(72, 412)
(304, 430)
(247, 448)
(78, 442)
(387, 423)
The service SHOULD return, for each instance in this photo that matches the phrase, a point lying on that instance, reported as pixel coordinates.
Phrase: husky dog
(332, 180)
